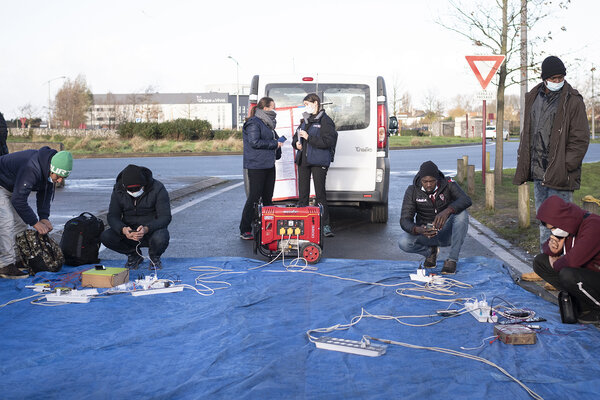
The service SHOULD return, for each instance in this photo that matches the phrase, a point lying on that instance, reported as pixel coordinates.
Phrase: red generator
(288, 230)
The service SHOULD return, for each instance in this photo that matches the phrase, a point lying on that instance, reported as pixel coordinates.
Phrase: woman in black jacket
(315, 138)
(260, 147)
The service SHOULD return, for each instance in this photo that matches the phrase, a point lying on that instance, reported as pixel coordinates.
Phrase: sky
(181, 46)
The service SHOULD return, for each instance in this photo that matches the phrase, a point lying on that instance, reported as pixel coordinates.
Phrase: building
(109, 110)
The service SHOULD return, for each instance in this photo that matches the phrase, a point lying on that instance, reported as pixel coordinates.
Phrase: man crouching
(442, 220)
(138, 216)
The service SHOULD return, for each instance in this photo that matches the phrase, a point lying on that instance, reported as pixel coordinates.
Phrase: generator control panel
(290, 227)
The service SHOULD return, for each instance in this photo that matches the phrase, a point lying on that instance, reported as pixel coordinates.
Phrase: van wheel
(379, 213)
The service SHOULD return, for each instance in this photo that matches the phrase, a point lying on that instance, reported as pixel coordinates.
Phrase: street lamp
(593, 105)
(237, 92)
(48, 83)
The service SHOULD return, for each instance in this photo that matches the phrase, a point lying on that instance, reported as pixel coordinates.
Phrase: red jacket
(582, 246)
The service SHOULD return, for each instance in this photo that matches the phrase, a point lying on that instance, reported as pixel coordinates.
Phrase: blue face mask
(554, 87)
(136, 194)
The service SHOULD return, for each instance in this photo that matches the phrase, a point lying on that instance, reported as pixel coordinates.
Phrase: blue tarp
(249, 340)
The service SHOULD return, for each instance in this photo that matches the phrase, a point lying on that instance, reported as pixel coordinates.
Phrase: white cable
(21, 299)
(580, 286)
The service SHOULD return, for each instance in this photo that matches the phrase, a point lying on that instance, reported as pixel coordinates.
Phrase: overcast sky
(181, 46)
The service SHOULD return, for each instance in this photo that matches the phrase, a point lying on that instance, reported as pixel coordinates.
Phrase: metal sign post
(484, 95)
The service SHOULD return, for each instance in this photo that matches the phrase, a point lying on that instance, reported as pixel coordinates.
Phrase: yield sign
(498, 60)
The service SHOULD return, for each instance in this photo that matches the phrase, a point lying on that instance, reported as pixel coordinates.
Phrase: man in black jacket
(3, 136)
(138, 216)
(440, 207)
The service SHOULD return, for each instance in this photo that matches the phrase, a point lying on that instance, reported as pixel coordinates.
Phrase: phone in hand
(282, 139)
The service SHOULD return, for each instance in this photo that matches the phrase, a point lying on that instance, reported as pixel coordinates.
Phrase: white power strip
(72, 296)
(350, 346)
(170, 289)
(481, 311)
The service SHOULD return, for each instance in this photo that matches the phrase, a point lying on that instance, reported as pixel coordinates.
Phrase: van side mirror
(393, 125)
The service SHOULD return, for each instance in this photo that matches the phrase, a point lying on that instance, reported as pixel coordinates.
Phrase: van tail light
(381, 126)
(251, 106)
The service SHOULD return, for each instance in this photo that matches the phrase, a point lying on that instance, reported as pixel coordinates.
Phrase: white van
(360, 173)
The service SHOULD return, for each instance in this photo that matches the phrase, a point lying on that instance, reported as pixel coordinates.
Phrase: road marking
(198, 200)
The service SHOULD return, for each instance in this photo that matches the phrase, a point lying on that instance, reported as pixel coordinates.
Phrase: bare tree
(28, 112)
(72, 102)
(495, 25)
(406, 103)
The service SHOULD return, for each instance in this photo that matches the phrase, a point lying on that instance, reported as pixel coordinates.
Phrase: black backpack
(80, 240)
(39, 252)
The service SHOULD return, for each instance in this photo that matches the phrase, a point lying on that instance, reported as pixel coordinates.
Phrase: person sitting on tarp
(21, 173)
(440, 207)
(138, 216)
(571, 257)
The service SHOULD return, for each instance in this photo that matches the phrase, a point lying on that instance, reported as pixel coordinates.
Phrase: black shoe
(589, 317)
(133, 261)
(327, 232)
(247, 236)
(449, 267)
(12, 272)
(155, 263)
(431, 260)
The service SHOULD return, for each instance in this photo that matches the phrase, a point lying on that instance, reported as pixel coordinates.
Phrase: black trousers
(567, 279)
(262, 184)
(319, 175)
(157, 242)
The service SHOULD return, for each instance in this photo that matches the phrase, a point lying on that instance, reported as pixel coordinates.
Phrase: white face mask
(136, 194)
(309, 109)
(554, 86)
(50, 180)
(559, 232)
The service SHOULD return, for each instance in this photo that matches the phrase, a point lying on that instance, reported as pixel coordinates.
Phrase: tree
(495, 25)
(72, 102)
(30, 113)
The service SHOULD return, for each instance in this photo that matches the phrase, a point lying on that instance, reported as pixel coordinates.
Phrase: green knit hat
(62, 163)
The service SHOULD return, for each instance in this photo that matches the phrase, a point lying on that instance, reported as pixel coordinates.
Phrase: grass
(410, 141)
(504, 220)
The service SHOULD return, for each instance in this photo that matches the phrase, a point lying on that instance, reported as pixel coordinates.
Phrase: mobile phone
(282, 139)
(100, 267)
(430, 226)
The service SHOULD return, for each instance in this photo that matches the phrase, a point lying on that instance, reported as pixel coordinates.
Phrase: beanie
(132, 176)
(552, 66)
(428, 168)
(61, 163)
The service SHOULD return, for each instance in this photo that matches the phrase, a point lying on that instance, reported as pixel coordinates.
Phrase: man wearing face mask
(138, 216)
(570, 260)
(21, 173)
(434, 214)
(554, 139)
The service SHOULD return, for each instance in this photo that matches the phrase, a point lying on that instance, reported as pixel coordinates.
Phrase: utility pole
(49, 104)
(593, 106)
(523, 61)
(237, 93)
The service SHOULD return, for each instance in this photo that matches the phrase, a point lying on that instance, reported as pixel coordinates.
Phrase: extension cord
(146, 292)
(350, 346)
(72, 296)
(481, 311)
(421, 276)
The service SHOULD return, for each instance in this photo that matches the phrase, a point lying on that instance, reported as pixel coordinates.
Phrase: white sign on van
(485, 95)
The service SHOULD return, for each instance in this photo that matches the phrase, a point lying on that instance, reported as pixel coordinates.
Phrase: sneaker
(133, 261)
(12, 272)
(431, 260)
(155, 263)
(589, 317)
(327, 232)
(449, 267)
(247, 235)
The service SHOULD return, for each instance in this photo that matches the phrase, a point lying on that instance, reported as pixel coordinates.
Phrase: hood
(145, 172)
(45, 155)
(557, 212)
(417, 180)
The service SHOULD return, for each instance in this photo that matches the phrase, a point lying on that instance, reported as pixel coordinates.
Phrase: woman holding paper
(315, 138)
(260, 148)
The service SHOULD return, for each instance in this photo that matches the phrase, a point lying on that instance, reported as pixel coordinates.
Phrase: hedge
(179, 129)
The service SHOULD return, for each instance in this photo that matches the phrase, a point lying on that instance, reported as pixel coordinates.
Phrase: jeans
(262, 184)
(10, 226)
(157, 242)
(319, 175)
(452, 234)
(541, 193)
(567, 279)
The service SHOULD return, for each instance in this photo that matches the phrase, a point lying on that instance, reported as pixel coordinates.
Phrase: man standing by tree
(554, 139)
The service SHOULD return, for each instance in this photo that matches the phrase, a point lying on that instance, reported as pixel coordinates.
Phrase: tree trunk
(500, 100)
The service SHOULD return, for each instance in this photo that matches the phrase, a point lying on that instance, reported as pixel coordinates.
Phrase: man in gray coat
(554, 139)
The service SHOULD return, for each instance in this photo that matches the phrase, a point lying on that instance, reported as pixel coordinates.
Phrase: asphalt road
(206, 224)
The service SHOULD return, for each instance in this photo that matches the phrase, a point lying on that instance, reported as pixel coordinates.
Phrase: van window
(347, 104)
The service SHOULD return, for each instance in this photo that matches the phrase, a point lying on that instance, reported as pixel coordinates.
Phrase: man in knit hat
(434, 214)
(554, 139)
(138, 215)
(20, 174)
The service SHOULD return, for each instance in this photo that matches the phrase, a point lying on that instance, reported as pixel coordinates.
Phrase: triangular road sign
(498, 60)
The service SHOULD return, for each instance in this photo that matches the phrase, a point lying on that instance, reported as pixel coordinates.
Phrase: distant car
(490, 133)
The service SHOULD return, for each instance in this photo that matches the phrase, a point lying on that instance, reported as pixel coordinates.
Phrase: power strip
(170, 289)
(481, 311)
(72, 296)
(350, 346)
(421, 276)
